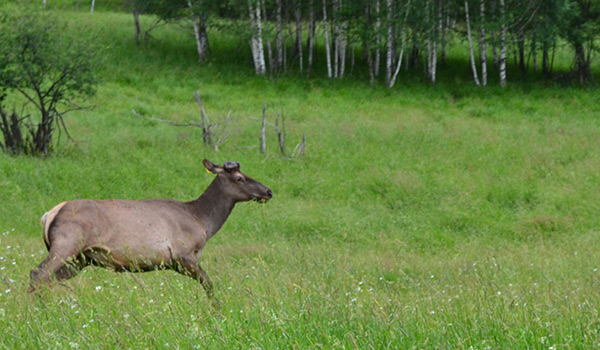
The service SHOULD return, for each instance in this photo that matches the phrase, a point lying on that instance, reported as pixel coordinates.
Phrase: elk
(143, 235)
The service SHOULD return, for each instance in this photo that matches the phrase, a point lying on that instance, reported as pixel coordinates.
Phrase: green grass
(444, 217)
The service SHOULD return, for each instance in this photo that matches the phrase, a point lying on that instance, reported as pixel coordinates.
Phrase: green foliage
(47, 69)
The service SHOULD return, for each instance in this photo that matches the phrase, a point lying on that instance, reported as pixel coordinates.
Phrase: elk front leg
(190, 266)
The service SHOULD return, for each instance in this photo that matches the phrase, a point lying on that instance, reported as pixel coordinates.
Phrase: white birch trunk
(472, 54)
(403, 39)
(253, 39)
(482, 45)
(93, 5)
(326, 34)
(502, 46)
(398, 65)
(377, 38)
(199, 33)
(261, 52)
(256, 43)
(390, 44)
(44, 3)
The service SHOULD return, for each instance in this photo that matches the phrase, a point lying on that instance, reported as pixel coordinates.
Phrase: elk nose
(270, 193)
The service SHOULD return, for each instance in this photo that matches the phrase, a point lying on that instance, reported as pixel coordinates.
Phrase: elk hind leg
(61, 263)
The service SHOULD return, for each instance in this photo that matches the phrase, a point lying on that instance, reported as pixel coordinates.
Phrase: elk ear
(231, 166)
(212, 167)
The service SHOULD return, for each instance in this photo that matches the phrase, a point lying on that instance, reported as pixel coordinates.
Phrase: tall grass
(421, 217)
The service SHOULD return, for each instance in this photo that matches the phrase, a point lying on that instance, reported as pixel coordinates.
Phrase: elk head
(237, 185)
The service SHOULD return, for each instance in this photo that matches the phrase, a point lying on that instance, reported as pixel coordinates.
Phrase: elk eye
(240, 179)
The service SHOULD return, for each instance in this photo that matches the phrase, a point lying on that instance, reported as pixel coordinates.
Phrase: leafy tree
(44, 70)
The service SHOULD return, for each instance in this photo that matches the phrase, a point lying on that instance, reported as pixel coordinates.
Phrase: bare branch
(263, 141)
(299, 149)
(280, 135)
(259, 119)
(165, 121)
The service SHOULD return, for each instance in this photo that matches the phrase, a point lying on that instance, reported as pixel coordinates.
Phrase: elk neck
(212, 208)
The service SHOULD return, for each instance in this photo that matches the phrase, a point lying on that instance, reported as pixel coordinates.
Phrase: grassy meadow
(422, 217)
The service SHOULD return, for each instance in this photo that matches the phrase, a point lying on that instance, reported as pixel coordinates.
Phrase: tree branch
(165, 121)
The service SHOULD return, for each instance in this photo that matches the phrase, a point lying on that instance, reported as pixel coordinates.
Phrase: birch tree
(326, 35)
(470, 39)
(199, 27)
(256, 43)
(390, 44)
(482, 42)
(502, 44)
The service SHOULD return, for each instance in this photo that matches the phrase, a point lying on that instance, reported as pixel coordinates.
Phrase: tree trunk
(414, 57)
(545, 59)
(521, 47)
(93, 4)
(534, 54)
(367, 46)
(495, 49)
(298, 15)
(390, 46)
(482, 45)
(502, 46)
(352, 58)
(199, 33)
(311, 37)
(403, 39)
(261, 52)
(471, 53)
(582, 65)
(336, 38)
(278, 36)
(434, 54)
(399, 64)
(342, 50)
(445, 24)
(326, 34)
(256, 43)
(377, 38)
(136, 21)
(267, 39)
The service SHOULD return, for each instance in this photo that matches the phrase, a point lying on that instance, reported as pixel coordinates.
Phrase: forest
(391, 35)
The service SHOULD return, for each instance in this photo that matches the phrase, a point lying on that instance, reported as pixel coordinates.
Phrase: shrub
(45, 70)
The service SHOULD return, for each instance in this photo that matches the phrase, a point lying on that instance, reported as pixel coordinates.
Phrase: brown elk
(142, 235)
